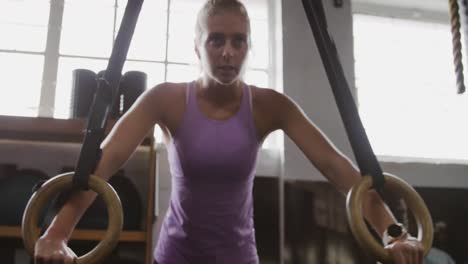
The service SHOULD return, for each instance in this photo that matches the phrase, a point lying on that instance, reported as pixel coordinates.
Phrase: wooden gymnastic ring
(414, 202)
(52, 187)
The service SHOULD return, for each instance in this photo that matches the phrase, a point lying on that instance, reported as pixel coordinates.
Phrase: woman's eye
(240, 41)
(216, 40)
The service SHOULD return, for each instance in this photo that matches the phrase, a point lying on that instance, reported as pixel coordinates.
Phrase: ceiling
(429, 5)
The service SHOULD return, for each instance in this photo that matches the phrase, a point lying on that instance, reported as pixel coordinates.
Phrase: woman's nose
(228, 50)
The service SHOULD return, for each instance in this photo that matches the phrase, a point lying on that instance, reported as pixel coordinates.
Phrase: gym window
(406, 88)
(46, 39)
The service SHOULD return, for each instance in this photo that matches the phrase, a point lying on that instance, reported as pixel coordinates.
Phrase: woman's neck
(218, 93)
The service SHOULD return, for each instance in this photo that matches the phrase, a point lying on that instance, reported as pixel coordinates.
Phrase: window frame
(417, 15)
(52, 54)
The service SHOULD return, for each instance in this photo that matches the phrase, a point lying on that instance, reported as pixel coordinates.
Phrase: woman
(213, 130)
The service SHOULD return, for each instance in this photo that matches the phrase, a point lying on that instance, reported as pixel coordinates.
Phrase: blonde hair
(212, 7)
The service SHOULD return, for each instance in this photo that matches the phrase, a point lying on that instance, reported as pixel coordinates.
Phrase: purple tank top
(212, 163)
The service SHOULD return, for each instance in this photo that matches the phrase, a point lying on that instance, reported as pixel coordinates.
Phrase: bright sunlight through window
(406, 88)
(37, 60)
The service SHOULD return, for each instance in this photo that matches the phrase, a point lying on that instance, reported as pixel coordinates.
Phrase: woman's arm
(336, 167)
(339, 170)
(117, 147)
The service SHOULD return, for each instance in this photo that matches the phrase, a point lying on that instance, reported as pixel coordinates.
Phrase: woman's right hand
(49, 250)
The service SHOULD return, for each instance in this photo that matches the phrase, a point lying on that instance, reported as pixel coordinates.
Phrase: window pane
(64, 81)
(182, 31)
(409, 85)
(23, 24)
(87, 28)
(149, 39)
(257, 78)
(181, 37)
(258, 13)
(21, 84)
(155, 71)
(260, 53)
(181, 73)
(186, 6)
(257, 9)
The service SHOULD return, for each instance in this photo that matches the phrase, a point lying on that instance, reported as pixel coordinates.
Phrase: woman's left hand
(407, 250)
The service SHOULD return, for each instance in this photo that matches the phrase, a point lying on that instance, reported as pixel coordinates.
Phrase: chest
(263, 119)
(211, 150)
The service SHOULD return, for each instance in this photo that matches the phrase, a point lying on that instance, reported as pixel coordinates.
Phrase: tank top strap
(191, 100)
(246, 103)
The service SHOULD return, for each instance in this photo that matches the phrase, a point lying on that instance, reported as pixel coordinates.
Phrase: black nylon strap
(365, 157)
(106, 95)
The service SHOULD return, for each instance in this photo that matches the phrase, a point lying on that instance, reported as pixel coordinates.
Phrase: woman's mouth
(226, 68)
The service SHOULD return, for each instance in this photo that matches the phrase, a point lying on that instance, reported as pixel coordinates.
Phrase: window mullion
(167, 39)
(49, 76)
(275, 80)
(275, 70)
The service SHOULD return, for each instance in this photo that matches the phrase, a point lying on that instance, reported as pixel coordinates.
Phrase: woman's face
(223, 47)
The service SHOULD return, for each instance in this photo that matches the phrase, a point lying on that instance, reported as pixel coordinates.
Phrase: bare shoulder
(267, 100)
(165, 94)
(269, 109)
(168, 101)
(261, 92)
(167, 91)
(162, 99)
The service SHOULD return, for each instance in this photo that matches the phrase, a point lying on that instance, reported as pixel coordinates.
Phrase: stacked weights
(84, 86)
